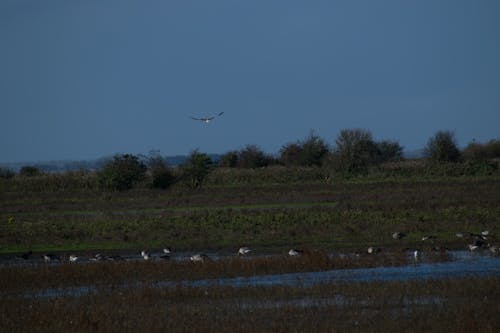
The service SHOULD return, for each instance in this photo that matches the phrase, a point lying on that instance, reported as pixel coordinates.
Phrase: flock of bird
(479, 241)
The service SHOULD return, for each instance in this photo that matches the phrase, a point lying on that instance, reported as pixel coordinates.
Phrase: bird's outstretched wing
(207, 119)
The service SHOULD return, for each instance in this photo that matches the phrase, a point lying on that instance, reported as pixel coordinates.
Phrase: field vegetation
(332, 203)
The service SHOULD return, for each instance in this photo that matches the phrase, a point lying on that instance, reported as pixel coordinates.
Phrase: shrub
(310, 152)
(6, 173)
(442, 147)
(122, 172)
(229, 160)
(480, 151)
(196, 169)
(30, 171)
(355, 151)
(389, 151)
(161, 174)
(253, 157)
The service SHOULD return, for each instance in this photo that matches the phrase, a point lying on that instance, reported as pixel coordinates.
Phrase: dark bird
(25, 256)
(208, 119)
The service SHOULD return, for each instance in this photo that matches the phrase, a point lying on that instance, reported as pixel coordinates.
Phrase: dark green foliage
(355, 151)
(310, 152)
(389, 151)
(122, 172)
(196, 169)
(162, 175)
(229, 160)
(442, 147)
(482, 151)
(6, 173)
(30, 171)
(253, 157)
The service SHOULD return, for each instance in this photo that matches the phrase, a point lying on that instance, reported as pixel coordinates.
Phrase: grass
(454, 305)
(270, 210)
(348, 214)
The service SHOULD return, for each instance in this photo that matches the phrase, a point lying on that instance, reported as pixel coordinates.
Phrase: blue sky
(86, 79)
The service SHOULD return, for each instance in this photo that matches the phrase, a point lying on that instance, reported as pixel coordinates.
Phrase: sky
(86, 79)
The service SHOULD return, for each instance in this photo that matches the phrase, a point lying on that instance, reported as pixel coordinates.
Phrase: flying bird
(208, 119)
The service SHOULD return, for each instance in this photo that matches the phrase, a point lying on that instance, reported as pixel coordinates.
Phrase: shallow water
(462, 264)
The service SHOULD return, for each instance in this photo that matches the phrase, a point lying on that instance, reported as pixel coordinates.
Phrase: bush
(253, 157)
(310, 152)
(229, 160)
(196, 169)
(161, 174)
(442, 147)
(6, 173)
(480, 151)
(389, 151)
(121, 173)
(30, 171)
(355, 151)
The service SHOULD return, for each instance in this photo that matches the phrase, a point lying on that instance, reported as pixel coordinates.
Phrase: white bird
(294, 252)
(398, 235)
(145, 255)
(472, 247)
(416, 254)
(97, 257)
(485, 233)
(199, 257)
(244, 250)
(208, 119)
(73, 258)
(167, 250)
(372, 250)
(51, 257)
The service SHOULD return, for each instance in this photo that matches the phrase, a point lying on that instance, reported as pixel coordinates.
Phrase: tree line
(355, 151)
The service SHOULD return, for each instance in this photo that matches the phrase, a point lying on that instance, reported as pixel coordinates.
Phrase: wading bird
(294, 252)
(199, 257)
(243, 250)
(398, 235)
(51, 257)
(372, 250)
(208, 119)
(73, 258)
(25, 256)
(145, 255)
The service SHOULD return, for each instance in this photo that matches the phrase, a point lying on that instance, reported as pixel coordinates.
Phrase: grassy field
(269, 210)
(267, 213)
(450, 305)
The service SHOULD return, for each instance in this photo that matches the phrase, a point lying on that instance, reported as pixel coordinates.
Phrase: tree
(29, 171)
(355, 150)
(229, 160)
(161, 174)
(122, 172)
(196, 168)
(309, 152)
(290, 154)
(389, 150)
(253, 157)
(442, 147)
(314, 149)
(6, 173)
